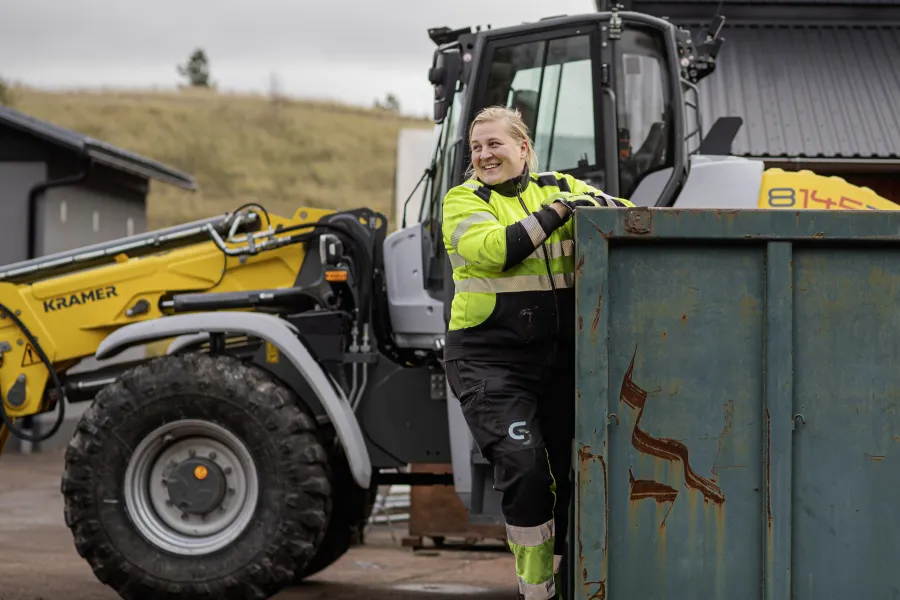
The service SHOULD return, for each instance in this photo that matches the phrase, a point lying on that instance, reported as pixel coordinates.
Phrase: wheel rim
(191, 487)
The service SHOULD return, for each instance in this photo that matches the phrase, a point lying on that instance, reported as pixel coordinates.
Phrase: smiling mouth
(491, 167)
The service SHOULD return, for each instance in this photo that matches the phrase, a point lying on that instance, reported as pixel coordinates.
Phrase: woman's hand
(561, 209)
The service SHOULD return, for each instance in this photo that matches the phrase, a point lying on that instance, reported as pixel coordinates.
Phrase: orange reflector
(335, 275)
(200, 472)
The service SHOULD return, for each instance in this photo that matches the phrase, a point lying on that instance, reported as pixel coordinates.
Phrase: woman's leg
(557, 414)
(500, 404)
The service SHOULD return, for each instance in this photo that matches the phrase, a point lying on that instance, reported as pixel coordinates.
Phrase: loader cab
(602, 94)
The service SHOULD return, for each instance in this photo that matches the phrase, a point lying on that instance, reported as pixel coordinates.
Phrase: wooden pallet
(436, 514)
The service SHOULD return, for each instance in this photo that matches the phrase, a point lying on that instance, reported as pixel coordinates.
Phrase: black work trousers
(522, 418)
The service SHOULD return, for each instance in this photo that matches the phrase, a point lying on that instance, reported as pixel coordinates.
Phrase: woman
(509, 352)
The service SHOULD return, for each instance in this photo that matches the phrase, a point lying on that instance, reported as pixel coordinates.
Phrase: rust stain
(585, 456)
(600, 594)
(874, 456)
(597, 312)
(641, 489)
(580, 322)
(665, 448)
(729, 423)
(604, 234)
(579, 265)
(645, 488)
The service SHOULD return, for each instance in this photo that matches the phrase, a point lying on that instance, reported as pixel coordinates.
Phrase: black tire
(346, 527)
(294, 490)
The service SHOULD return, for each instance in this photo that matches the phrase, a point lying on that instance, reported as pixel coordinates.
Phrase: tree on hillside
(390, 103)
(6, 93)
(196, 70)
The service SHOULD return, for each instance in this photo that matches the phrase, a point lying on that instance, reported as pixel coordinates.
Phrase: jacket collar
(512, 186)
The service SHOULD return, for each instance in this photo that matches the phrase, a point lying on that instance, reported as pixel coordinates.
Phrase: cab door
(552, 76)
(550, 73)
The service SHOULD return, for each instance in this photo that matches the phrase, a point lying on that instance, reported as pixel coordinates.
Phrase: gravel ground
(38, 559)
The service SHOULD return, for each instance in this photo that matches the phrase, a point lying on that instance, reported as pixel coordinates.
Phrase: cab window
(643, 107)
(551, 82)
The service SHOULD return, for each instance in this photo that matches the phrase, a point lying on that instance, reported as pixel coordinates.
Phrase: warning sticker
(271, 353)
(30, 357)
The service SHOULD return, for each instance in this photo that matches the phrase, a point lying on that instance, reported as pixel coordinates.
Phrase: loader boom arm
(57, 310)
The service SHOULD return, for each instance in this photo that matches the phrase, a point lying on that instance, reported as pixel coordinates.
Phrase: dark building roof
(810, 91)
(96, 150)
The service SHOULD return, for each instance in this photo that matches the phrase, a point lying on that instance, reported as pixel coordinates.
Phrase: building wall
(16, 179)
(70, 217)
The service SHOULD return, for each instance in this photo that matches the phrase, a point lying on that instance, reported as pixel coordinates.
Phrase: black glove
(571, 202)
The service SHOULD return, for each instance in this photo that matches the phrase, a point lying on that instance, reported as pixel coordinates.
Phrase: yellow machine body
(71, 314)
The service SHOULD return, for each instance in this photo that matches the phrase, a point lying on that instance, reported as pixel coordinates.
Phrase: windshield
(551, 82)
(643, 107)
(552, 88)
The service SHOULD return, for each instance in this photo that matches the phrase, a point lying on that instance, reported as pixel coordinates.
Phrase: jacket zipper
(549, 271)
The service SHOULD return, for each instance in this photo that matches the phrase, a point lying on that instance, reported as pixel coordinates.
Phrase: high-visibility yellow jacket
(504, 241)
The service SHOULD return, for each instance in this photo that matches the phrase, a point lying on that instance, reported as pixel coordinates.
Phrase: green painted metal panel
(737, 433)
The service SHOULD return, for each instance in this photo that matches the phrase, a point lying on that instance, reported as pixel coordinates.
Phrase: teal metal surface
(737, 431)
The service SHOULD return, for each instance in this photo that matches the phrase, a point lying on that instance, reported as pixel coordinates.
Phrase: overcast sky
(352, 50)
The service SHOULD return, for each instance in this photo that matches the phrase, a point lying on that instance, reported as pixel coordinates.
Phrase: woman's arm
(472, 230)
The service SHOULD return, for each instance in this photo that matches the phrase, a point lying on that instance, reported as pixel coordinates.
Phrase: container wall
(737, 432)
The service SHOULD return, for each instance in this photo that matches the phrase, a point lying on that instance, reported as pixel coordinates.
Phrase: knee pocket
(527, 467)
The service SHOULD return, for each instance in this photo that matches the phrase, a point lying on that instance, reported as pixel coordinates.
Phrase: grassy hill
(282, 153)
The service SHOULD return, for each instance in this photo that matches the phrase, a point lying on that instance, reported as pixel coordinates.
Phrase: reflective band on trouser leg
(557, 561)
(533, 549)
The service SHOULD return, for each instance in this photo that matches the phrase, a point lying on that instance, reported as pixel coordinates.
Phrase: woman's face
(495, 155)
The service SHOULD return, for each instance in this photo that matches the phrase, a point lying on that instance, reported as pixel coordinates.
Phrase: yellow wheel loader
(240, 459)
(295, 359)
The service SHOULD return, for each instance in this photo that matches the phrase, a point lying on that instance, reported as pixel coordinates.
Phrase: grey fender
(279, 333)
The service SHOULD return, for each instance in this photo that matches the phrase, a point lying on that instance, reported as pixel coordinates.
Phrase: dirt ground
(38, 560)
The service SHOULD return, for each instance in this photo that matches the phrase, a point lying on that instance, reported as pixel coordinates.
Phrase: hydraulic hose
(7, 421)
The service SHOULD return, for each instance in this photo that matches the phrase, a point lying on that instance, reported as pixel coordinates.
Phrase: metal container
(737, 431)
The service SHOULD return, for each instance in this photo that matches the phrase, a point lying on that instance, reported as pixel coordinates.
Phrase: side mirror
(443, 75)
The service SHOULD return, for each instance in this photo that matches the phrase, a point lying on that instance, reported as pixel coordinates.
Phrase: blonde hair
(515, 128)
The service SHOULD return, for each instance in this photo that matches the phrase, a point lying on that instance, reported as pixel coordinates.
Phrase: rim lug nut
(231, 491)
(212, 456)
(227, 470)
(192, 453)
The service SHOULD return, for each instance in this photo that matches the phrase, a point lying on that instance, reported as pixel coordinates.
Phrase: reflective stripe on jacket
(502, 241)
